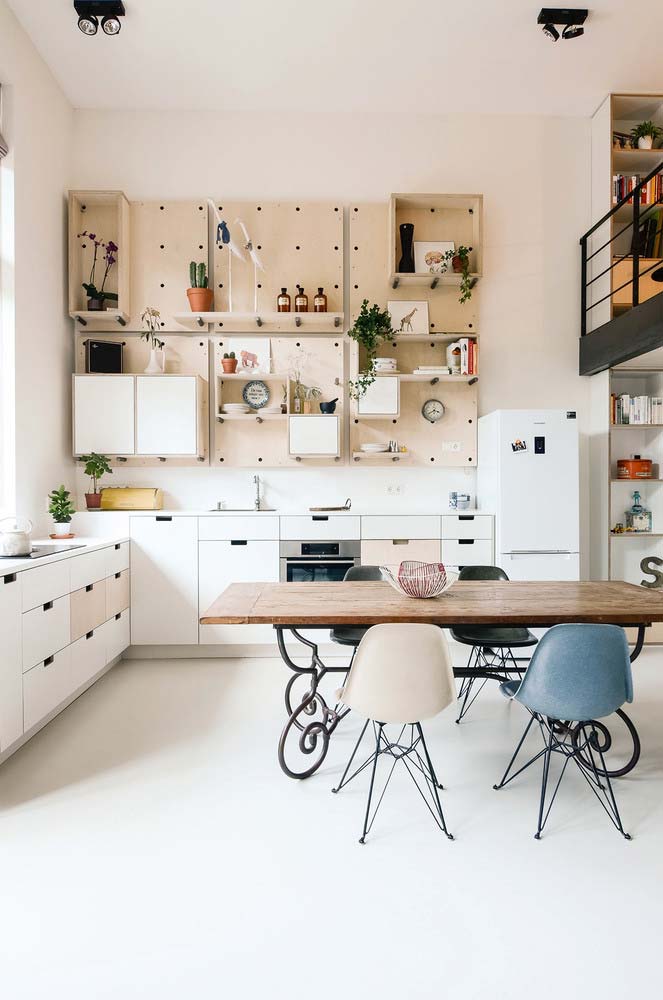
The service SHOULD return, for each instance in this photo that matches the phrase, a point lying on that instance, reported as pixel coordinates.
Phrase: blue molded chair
(491, 645)
(580, 673)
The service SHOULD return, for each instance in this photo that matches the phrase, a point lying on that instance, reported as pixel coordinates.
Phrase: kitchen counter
(280, 512)
(20, 563)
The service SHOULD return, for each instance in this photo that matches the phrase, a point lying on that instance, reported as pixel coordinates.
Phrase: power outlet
(394, 490)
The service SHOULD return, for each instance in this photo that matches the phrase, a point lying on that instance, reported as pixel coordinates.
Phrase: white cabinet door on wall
(11, 676)
(167, 415)
(237, 560)
(164, 580)
(314, 436)
(104, 414)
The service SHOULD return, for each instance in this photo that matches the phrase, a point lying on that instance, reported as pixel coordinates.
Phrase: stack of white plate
(270, 409)
(374, 448)
(385, 366)
(236, 408)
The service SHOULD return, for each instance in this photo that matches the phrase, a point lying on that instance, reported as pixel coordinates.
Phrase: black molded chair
(491, 645)
(351, 635)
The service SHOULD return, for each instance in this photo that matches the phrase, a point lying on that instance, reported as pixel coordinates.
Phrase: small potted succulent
(229, 363)
(201, 297)
(96, 466)
(61, 510)
(645, 134)
(96, 297)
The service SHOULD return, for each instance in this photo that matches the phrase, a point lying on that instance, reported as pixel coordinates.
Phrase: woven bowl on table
(419, 579)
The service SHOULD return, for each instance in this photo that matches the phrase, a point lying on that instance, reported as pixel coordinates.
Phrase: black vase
(406, 263)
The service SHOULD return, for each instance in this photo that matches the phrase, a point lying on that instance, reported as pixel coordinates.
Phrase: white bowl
(419, 580)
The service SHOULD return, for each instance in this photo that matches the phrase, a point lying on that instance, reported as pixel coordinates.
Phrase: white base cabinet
(164, 580)
(235, 561)
(11, 665)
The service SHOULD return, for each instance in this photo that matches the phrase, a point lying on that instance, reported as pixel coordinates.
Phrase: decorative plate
(256, 394)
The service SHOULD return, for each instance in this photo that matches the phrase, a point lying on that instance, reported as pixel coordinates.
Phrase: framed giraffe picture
(409, 317)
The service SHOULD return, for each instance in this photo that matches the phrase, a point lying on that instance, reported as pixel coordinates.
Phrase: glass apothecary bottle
(320, 302)
(638, 518)
(301, 300)
(283, 301)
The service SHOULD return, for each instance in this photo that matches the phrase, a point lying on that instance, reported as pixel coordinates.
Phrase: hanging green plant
(460, 263)
(371, 328)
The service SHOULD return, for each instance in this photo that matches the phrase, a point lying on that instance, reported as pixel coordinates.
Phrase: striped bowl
(419, 579)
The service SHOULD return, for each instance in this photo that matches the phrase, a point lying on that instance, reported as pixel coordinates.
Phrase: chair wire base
(500, 662)
(410, 749)
(584, 744)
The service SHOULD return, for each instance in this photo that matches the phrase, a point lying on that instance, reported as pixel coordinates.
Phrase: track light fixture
(570, 18)
(89, 12)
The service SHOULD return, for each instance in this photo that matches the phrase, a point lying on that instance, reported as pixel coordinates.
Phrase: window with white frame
(7, 367)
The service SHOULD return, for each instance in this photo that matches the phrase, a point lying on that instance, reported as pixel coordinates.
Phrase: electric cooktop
(45, 550)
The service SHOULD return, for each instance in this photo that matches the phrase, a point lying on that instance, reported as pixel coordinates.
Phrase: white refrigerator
(528, 476)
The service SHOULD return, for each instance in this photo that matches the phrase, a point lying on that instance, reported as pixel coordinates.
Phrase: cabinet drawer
(45, 686)
(88, 609)
(87, 569)
(46, 584)
(467, 552)
(392, 552)
(117, 558)
(116, 635)
(400, 526)
(321, 526)
(46, 630)
(117, 593)
(258, 528)
(467, 526)
(88, 657)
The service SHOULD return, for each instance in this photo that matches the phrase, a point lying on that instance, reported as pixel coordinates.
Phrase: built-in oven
(317, 562)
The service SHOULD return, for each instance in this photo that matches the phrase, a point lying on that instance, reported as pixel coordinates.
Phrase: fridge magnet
(431, 257)
(518, 445)
(409, 317)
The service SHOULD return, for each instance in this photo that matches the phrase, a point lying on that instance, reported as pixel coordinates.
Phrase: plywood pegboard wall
(299, 243)
(165, 237)
(245, 442)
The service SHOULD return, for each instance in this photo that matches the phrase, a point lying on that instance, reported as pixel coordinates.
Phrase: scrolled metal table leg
(639, 643)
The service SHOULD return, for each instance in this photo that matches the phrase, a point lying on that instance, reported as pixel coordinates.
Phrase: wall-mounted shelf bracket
(200, 321)
(121, 320)
(395, 283)
(337, 321)
(434, 381)
(82, 321)
(473, 381)
(258, 321)
(434, 282)
(298, 321)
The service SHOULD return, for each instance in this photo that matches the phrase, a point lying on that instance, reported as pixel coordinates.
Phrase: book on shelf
(627, 409)
(623, 185)
(468, 356)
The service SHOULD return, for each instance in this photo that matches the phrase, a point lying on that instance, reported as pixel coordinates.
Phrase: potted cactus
(201, 297)
(229, 362)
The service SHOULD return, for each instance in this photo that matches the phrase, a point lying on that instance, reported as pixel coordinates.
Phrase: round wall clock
(256, 394)
(432, 410)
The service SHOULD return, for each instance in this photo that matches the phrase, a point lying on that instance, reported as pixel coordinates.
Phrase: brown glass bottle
(301, 300)
(283, 301)
(320, 302)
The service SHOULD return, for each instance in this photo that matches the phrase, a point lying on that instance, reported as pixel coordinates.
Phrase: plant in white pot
(646, 133)
(96, 466)
(61, 510)
(151, 321)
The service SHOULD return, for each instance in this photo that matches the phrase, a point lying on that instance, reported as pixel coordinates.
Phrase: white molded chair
(402, 674)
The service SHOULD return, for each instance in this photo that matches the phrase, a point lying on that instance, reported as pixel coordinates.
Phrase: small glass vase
(156, 367)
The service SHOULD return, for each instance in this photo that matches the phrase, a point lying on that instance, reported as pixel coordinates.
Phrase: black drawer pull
(89, 587)
(88, 635)
(48, 606)
(466, 517)
(10, 578)
(163, 518)
(466, 541)
(118, 616)
(320, 517)
(238, 541)
(117, 576)
(48, 661)
(117, 547)
(400, 541)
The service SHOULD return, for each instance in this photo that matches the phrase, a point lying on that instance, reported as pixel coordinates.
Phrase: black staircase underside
(627, 336)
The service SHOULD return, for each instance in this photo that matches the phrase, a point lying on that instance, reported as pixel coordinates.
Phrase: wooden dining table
(293, 607)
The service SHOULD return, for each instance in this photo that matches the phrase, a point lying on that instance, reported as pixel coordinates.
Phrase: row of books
(627, 409)
(469, 359)
(623, 184)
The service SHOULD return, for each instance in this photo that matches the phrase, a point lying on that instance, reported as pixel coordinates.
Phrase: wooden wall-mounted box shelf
(455, 218)
(107, 215)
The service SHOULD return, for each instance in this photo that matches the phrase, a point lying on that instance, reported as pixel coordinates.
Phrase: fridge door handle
(539, 552)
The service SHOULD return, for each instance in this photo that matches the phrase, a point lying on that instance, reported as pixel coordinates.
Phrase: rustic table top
(484, 602)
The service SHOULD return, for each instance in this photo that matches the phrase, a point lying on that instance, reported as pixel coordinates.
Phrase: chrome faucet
(256, 480)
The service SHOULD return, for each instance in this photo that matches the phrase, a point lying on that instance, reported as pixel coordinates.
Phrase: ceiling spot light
(88, 25)
(569, 19)
(112, 25)
(90, 12)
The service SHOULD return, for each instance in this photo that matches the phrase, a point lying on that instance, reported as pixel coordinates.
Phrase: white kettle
(15, 538)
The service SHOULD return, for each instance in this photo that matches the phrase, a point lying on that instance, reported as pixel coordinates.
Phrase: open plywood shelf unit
(106, 215)
(449, 218)
(265, 322)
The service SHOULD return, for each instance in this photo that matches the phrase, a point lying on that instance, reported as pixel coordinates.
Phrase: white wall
(38, 126)
(534, 173)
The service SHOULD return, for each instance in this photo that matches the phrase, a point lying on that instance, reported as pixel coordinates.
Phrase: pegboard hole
(356, 421)
(335, 248)
(469, 421)
(221, 460)
(356, 286)
(336, 210)
(162, 285)
(335, 286)
(469, 460)
(220, 208)
(356, 248)
(259, 208)
(394, 421)
(356, 209)
(200, 208)
(200, 246)
(336, 343)
(432, 459)
(162, 324)
(298, 344)
(297, 209)
(220, 284)
(469, 326)
(260, 460)
(432, 326)
(162, 246)
(161, 208)
(220, 325)
(259, 247)
(259, 285)
(299, 248)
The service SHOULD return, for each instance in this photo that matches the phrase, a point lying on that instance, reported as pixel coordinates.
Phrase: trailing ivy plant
(465, 280)
(371, 328)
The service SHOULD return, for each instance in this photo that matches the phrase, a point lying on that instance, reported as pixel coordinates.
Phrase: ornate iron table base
(311, 720)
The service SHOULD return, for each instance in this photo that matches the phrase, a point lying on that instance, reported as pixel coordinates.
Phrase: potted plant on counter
(371, 327)
(201, 297)
(96, 297)
(646, 134)
(61, 510)
(96, 466)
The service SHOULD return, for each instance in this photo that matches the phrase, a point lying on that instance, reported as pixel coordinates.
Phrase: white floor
(150, 847)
